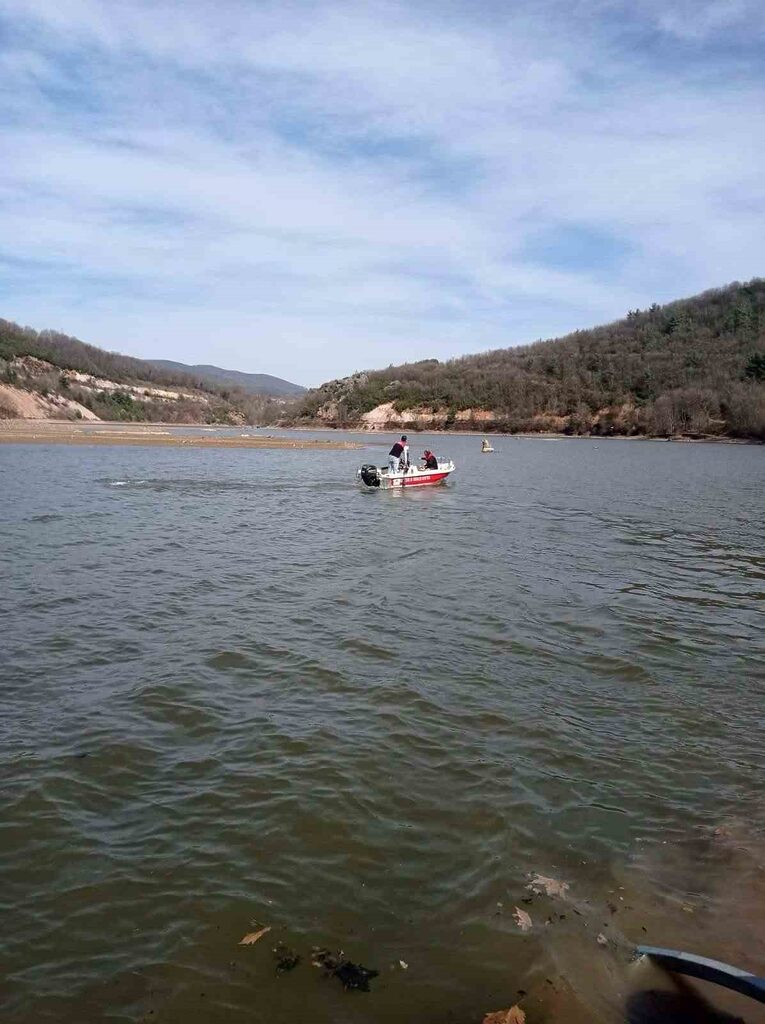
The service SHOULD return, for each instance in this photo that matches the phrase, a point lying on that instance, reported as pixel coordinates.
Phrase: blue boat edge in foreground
(707, 970)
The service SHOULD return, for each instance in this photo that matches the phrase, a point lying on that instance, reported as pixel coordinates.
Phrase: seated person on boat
(431, 462)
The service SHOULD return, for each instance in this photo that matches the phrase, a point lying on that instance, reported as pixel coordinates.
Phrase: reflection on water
(238, 692)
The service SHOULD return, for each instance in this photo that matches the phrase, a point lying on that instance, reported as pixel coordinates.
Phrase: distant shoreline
(541, 434)
(148, 434)
(171, 435)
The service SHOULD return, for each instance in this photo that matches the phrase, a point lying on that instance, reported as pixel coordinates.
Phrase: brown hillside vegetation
(695, 367)
(48, 374)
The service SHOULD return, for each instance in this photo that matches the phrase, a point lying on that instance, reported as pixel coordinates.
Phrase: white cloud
(328, 186)
(699, 19)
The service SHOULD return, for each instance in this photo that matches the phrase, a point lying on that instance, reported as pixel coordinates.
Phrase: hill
(694, 367)
(250, 383)
(46, 374)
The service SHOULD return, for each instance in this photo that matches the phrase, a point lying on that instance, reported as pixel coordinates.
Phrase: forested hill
(693, 367)
(50, 374)
(251, 383)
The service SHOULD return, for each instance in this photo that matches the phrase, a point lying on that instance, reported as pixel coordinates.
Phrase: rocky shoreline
(551, 435)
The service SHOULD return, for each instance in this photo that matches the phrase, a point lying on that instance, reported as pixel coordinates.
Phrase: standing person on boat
(399, 452)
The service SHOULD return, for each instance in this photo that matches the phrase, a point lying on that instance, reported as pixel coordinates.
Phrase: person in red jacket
(399, 453)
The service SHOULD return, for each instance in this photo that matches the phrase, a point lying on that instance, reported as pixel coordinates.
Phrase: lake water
(238, 692)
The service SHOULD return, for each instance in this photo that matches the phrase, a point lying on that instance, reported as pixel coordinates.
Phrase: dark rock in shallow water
(354, 975)
(350, 975)
(286, 959)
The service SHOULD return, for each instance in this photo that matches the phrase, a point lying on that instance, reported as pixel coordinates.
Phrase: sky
(310, 189)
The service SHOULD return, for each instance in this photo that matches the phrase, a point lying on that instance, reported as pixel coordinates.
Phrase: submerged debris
(324, 958)
(355, 976)
(350, 975)
(522, 919)
(549, 886)
(286, 959)
(514, 1015)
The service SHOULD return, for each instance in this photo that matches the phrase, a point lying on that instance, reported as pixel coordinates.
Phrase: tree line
(695, 366)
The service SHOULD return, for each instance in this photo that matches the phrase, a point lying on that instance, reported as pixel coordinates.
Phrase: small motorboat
(486, 447)
(370, 476)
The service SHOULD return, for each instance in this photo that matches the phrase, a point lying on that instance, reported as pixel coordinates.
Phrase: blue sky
(308, 189)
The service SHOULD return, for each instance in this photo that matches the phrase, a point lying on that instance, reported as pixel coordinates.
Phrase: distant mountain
(695, 367)
(251, 383)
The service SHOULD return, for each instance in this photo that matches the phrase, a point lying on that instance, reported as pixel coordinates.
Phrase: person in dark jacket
(431, 462)
(399, 453)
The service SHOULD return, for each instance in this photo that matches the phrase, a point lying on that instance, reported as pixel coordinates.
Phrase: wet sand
(154, 434)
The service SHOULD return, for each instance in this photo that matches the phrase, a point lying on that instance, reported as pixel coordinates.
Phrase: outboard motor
(370, 475)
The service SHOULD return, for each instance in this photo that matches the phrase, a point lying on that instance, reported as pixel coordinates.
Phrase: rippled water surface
(237, 692)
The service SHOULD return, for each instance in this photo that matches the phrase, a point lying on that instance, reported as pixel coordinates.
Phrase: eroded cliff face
(621, 420)
(386, 416)
(19, 403)
(37, 390)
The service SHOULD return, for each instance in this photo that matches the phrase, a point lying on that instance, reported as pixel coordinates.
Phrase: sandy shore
(153, 434)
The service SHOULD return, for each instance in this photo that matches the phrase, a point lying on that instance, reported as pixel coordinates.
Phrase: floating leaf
(549, 886)
(514, 1015)
(522, 919)
(252, 937)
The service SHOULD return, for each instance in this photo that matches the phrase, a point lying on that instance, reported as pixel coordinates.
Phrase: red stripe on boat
(418, 481)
